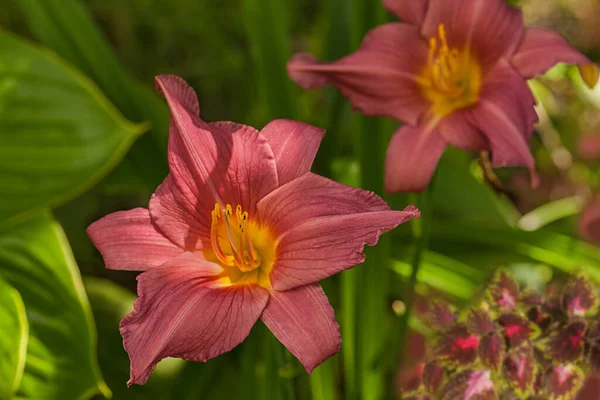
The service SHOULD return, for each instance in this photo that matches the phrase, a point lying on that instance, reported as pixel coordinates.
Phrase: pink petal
(181, 215)
(412, 11)
(505, 114)
(222, 162)
(312, 196)
(490, 28)
(457, 131)
(541, 49)
(327, 245)
(127, 240)
(294, 145)
(380, 78)
(304, 322)
(411, 158)
(184, 311)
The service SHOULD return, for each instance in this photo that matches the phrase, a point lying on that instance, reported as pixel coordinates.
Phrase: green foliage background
(83, 134)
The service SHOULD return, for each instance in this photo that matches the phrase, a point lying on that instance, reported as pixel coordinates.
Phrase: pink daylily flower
(239, 230)
(455, 72)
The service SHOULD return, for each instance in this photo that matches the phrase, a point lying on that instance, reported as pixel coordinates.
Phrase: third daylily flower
(455, 71)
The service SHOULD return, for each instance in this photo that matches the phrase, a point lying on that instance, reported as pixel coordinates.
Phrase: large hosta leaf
(58, 134)
(14, 332)
(36, 260)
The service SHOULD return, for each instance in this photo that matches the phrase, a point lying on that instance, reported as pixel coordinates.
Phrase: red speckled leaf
(433, 375)
(520, 372)
(563, 382)
(539, 317)
(410, 380)
(457, 347)
(491, 351)
(566, 344)
(441, 315)
(579, 298)
(531, 297)
(503, 291)
(480, 322)
(518, 329)
(469, 385)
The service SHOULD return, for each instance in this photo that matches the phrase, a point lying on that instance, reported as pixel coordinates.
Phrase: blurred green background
(83, 134)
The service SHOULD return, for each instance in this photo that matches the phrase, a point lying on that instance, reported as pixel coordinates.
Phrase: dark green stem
(421, 233)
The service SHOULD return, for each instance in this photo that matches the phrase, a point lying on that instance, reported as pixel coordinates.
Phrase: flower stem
(421, 230)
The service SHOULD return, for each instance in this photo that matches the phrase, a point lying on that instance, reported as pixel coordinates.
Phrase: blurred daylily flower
(240, 229)
(455, 73)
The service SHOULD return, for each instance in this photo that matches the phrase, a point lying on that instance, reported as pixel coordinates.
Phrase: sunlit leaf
(518, 329)
(578, 297)
(475, 385)
(14, 333)
(531, 297)
(457, 347)
(441, 315)
(563, 381)
(432, 377)
(491, 351)
(59, 134)
(566, 344)
(480, 322)
(36, 260)
(520, 371)
(503, 291)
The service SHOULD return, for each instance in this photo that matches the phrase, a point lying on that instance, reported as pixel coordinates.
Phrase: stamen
(214, 238)
(432, 50)
(243, 254)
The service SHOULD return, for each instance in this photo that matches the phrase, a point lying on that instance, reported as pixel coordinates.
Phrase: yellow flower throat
(245, 249)
(451, 79)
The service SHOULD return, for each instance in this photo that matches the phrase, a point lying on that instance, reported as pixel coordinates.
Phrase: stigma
(230, 238)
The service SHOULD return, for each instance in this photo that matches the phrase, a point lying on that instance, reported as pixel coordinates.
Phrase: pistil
(243, 254)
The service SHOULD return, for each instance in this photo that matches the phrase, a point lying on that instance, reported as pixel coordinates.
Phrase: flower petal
(181, 215)
(222, 162)
(411, 158)
(380, 78)
(505, 114)
(183, 311)
(303, 320)
(490, 28)
(412, 11)
(541, 49)
(312, 196)
(294, 145)
(327, 245)
(127, 240)
(457, 131)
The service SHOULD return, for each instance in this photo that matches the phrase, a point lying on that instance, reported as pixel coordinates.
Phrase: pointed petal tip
(174, 88)
(301, 70)
(590, 74)
(411, 209)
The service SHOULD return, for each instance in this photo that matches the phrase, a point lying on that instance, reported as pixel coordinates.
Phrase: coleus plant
(515, 344)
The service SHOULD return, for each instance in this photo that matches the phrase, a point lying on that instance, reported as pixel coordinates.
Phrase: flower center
(245, 250)
(452, 77)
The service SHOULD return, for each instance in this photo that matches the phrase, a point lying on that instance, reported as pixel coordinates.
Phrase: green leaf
(59, 134)
(36, 260)
(13, 341)
(66, 27)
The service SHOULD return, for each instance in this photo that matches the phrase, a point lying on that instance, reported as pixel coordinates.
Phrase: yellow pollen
(451, 78)
(245, 250)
